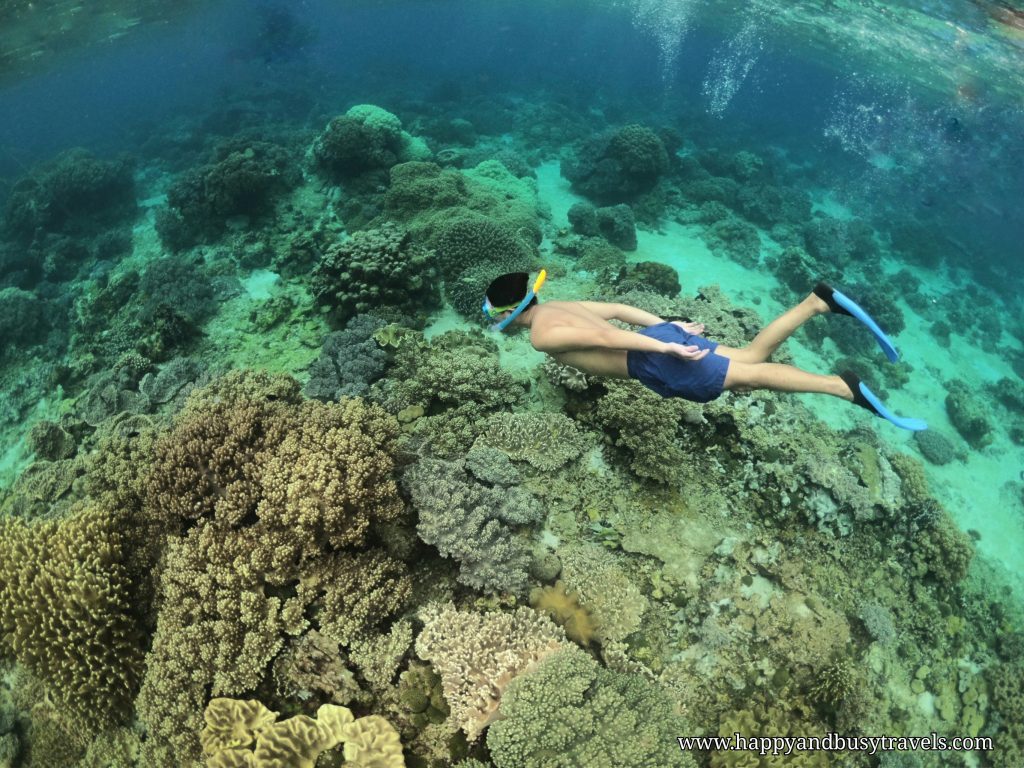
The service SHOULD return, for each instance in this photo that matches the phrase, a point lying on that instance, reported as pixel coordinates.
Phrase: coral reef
(474, 523)
(642, 423)
(1007, 682)
(422, 696)
(617, 225)
(649, 276)
(244, 732)
(762, 721)
(366, 138)
(569, 711)
(545, 441)
(617, 166)
(565, 610)
(173, 381)
(935, 447)
(350, 360)
(799, 272)
(603, 589)
(878, 622)
(50, 441)
(379, 270)
(473, 240)
(313, 667)
(566, 376)
(492, 466)
(474, 250)
(427, 200)
(968, 414)
(735, 238)
(243, 178)
(841, 243)
(942, 553)
(457, 382)
(583, 219)
(24, 319)
(181, 546)
(73, 193)
(769, 205)
(278, 490)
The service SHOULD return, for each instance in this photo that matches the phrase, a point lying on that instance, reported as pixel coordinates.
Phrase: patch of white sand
(260, 283)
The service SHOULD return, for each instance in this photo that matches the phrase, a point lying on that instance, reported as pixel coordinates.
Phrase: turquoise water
(271, 491)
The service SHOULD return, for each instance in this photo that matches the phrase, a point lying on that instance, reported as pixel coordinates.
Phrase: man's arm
(634, 316)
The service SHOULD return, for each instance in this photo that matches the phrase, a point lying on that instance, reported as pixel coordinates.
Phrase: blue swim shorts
(698, 380)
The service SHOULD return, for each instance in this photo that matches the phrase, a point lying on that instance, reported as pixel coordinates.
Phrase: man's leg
(776, 332)
(782, 378)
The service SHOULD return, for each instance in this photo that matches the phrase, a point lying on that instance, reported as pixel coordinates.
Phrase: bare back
(598, 362)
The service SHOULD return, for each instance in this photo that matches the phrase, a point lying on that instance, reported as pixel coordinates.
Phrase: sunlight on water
(857, 121)
(668, 21)
(732, 63)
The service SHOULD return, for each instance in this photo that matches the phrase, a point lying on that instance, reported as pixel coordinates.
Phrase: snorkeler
(670, 357)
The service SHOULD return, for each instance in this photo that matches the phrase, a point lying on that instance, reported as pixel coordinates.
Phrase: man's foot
(842, 304)
(825, 292)
(852, 381)
(868, 400)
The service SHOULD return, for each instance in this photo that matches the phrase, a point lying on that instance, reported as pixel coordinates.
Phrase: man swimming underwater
(670, 357)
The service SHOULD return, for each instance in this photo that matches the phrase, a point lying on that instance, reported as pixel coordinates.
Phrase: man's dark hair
(509, 289)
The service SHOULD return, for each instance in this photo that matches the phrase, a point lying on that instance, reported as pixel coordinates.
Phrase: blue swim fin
(865, 398)
(844, 305)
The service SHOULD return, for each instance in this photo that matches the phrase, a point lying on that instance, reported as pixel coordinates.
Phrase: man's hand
(695, 328)
(686, 351)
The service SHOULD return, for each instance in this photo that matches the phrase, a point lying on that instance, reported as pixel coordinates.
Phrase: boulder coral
(426, 199)
(366, 138)
(241, 179)
(736, 240)
(617, 225)
(617, 166)
(473, 239)
(968, 413)
(649, 276)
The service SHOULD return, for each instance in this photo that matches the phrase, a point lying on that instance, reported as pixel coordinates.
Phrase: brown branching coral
(269, 489)
(328, 472)
(357, 588)
(212, 461)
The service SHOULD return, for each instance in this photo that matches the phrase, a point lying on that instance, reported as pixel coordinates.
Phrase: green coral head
(391, 335)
